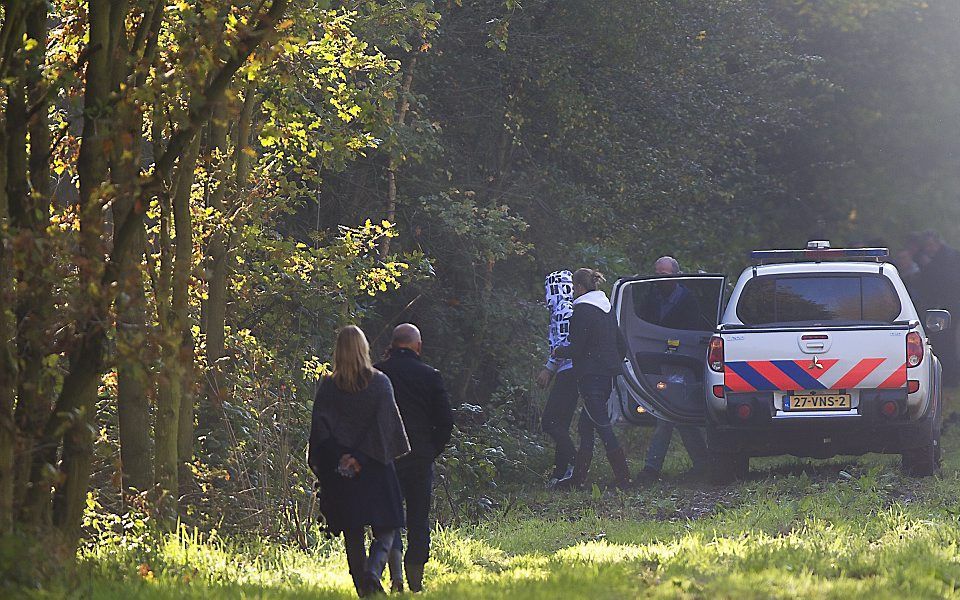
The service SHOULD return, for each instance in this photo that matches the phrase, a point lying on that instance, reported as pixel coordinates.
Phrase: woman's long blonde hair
(352, 368)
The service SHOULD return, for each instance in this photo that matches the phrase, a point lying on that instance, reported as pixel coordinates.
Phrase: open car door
(666, 322)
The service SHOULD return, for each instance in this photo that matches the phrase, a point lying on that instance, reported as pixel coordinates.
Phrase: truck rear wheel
(925, 460)
(727, 467)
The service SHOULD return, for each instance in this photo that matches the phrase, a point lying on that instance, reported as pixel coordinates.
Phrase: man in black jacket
(940, 279)
(428, 419)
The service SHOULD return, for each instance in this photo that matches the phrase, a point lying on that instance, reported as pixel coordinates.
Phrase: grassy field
(841, 528)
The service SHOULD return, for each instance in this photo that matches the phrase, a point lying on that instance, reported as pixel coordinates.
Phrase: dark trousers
(595, 391)
(557, 416)
(416, 482)
(366, 569)
(660, 442)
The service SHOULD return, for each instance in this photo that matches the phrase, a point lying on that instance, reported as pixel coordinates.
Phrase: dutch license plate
(800, 402)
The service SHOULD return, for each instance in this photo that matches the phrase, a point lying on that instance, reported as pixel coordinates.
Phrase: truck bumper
(868, 431)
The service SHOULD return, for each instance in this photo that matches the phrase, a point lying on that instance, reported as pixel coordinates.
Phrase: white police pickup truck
(819, 352)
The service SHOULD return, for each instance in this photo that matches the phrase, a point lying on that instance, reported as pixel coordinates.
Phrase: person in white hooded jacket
(596, 357)
(562, 400)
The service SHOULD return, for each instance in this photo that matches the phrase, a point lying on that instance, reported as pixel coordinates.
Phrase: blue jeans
(366, 568)
(692, 441)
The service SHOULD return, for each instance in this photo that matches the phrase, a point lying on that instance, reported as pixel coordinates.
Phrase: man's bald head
(666, 265)
(406, 335)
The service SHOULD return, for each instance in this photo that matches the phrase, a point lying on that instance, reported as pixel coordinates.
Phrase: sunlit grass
(854, 527)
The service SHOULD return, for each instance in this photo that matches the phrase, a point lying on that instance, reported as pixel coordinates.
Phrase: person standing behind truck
(562, 400)
(672, 305)
(593, 348)
(940, 277)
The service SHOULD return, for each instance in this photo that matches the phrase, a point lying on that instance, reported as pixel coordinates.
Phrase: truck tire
(925, 460)
(727, 467)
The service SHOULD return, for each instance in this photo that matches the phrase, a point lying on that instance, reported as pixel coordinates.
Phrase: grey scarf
(368, 420)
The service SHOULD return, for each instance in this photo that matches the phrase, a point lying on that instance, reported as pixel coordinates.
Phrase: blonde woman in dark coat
(355, 436)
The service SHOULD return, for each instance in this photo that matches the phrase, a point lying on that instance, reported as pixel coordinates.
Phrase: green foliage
(848, 15)
(493, 449)
(876, 165)
(518, 137)
(323, 94)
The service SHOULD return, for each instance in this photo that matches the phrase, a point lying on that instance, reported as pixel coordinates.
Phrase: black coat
(593, 342)
(372, 497)
(423, 402)
(940, 281)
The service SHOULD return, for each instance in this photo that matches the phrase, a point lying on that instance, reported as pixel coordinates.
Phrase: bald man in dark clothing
(428, 419)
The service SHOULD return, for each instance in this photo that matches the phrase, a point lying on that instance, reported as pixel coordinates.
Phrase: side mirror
(937, 320)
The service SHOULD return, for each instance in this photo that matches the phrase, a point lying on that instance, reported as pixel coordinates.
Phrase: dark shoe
(581, 469)
(621, 472)
(414, 577)
(558, 477)
(647, 476)
(371, 587)
(358, 585)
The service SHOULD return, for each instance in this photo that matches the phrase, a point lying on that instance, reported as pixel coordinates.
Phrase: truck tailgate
(815, 359)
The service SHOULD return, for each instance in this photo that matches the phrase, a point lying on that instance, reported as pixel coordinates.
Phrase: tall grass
(786, 536)
(840, 529)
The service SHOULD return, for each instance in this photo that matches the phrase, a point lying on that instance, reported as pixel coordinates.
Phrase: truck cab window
(818, 299)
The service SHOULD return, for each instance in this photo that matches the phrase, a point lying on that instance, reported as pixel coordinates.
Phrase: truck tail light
(914, 349)
(913, 386)
(715, 354)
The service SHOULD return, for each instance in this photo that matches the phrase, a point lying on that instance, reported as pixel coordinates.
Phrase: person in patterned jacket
(562, 399)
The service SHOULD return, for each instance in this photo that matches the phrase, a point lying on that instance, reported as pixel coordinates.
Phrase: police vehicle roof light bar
(818, 251)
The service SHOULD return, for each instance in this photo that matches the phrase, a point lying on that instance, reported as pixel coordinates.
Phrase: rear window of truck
(818, 299)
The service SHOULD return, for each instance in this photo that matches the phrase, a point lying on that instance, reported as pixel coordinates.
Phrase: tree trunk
(9, 39)
(15, 189)
(166, 431)
(218, 260)
(168, 381)
(86, 356)
(8, 357)
(35, 292)
(70, 498)
(73, 416)
(216, 263)
(170, 390)
(180, 325)
(394, 163)
(133, 379)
